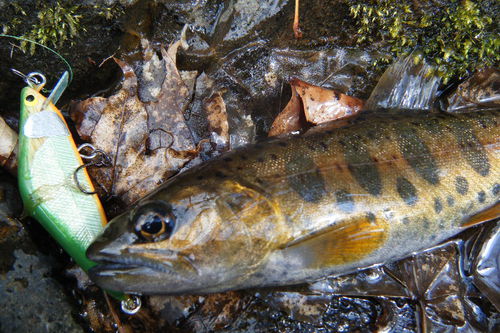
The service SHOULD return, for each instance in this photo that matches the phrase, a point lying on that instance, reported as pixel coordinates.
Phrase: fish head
(183, 239)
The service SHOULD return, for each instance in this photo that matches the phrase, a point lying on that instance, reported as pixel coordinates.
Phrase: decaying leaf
(217, 121)
(8, 147)
(291, 118)
(141, 127)
(482, 90)
(314, 105)
(322, 105)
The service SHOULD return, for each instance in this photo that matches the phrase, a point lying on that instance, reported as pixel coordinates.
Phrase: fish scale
(299, 208)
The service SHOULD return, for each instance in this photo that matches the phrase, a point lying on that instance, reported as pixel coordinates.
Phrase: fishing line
(70, 70)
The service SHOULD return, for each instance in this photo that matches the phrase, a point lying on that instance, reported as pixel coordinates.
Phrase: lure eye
(153, 222)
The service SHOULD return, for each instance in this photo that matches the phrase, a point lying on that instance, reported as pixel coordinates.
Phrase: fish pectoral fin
(484, 216)
(339, 244)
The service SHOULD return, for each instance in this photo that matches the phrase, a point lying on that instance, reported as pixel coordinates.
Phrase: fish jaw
(123, 268)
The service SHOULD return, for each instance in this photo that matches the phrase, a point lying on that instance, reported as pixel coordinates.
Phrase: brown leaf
(217, 121)
(139, 127)
(8, 147)
(291, 118)
(322, 105)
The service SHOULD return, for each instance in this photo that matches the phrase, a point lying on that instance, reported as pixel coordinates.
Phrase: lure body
(48, 158)
(304, 207)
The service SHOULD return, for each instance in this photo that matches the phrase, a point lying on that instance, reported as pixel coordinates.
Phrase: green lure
(48, 157)
(52, 179)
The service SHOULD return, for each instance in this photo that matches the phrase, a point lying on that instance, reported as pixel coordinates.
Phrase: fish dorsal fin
(339, 244)
(484, 216)
(405, 85)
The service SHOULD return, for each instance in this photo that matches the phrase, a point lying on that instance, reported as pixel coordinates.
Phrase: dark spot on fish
(461, 185)
(258, 180)
(239, 167)
(438, 206)
(260, 159)
(338, 166)
(305, 178)
(200, 177)
(406, 221)
(274, 156)
(227, 159)
(432, 238)
(406, 191)
(329, 132)
(450, 201)
(371, 134)
(417, 154)
(374, 159)
(471, 148)
(362, 168)
(342, 143)
(312, 98)
(495, 189)
(323, 145)
(371, 217)
(219, 174)
(243, 157)
(481, 196)
(311, 147)
(344, 201)
(282, 143)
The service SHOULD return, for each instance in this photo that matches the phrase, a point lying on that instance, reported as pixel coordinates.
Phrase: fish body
(300, 208)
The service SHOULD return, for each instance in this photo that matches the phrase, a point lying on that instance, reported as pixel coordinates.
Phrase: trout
(296, 209)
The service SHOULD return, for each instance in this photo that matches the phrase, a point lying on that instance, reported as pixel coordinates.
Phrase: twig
(296, 29)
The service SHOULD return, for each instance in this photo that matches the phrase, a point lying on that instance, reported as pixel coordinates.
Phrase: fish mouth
(125, 262)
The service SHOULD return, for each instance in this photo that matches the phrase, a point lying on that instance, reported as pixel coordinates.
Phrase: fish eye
(154, 222)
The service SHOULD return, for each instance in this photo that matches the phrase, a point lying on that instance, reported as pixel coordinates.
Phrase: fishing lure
(48, 158)
(55, 187)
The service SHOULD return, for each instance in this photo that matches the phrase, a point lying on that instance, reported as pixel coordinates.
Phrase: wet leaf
(291, 118)
(313, 105)
(323, 105)
(141, 127)
(217, 121)
(482, 90)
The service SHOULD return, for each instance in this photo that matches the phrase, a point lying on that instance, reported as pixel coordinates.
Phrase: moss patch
(455, 36)
(56, 23)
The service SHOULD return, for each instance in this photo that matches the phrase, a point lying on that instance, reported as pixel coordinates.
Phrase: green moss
(57, 23)
(455, 36)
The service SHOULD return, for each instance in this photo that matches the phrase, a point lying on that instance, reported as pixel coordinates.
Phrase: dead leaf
(291, 118)
(141, 128)
(315, 105)
(322, 105)
(8, 147)
(480, 91)
(217, 121)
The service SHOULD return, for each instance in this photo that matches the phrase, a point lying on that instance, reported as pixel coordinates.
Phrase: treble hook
(103, 160)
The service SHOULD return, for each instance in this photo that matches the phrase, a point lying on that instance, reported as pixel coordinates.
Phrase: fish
(296, 209)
